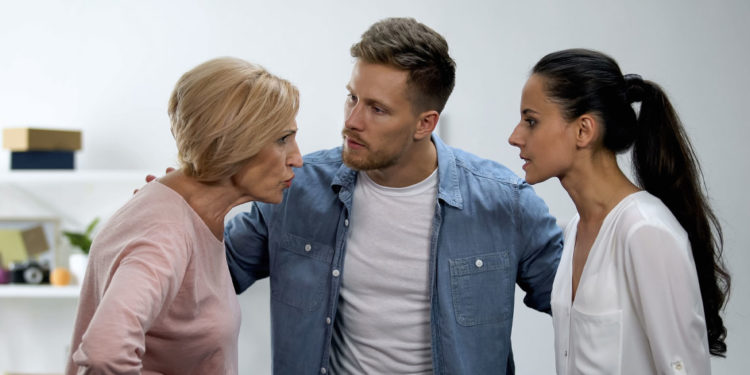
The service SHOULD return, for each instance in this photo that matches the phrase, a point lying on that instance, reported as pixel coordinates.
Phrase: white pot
(77, 263)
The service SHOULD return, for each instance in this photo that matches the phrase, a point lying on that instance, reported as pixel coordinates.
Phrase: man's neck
(412, 168)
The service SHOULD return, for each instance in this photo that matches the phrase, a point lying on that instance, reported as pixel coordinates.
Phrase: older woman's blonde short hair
(225, 111)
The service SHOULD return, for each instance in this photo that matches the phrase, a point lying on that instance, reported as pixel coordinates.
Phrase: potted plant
(78, 260)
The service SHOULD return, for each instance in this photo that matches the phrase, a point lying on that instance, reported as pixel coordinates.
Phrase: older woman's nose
(294, 158)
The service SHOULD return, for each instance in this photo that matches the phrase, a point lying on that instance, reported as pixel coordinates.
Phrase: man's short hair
(408, 45)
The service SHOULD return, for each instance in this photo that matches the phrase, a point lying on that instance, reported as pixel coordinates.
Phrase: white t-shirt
(638, 307)
(383, 320)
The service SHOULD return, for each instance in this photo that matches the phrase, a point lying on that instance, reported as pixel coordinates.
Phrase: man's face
(379, 122)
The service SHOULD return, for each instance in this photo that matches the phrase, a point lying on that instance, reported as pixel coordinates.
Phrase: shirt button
(308, 247)
(565, 354)
(346, 222)
(328, 320)
(336, 273)
(677, 365)
(323, 370)
(479, 263)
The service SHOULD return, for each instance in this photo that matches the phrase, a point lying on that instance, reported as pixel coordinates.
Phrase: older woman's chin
(274, 199)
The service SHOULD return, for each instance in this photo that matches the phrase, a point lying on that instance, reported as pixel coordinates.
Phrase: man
(396, 253)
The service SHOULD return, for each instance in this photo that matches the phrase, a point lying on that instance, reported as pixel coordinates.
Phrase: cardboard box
(42, 160)
(33, 139)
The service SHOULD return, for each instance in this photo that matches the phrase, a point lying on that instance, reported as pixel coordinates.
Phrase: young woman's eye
(531, 122)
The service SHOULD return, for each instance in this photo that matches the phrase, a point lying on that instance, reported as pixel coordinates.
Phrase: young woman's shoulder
(647, 227)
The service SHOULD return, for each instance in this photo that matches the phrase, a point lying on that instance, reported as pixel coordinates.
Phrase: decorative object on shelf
(4, 273)
(29, 272)
(78, 261)
(19, 244)
(27, 139)
(83, 240)
(60, 276)
(33, 148)
(28, 239)
(42, 160)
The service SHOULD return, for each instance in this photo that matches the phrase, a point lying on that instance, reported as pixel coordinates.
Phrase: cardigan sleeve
(663, 286)
(142, 283)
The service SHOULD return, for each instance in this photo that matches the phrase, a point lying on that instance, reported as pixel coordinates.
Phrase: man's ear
(588, 130)
(426, 123)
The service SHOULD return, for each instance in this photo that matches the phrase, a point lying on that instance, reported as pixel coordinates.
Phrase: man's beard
(375, 161)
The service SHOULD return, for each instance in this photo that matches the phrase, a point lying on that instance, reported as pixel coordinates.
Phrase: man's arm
(246, 244)
(541, 240)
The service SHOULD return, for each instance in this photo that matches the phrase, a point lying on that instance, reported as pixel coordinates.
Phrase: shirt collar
(449, 189)
(448, 183)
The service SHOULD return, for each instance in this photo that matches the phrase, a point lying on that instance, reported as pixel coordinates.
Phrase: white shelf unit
(74, 198)
(39, 291)
(66, 176)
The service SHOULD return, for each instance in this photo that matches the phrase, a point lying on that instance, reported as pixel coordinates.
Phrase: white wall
(108, 68)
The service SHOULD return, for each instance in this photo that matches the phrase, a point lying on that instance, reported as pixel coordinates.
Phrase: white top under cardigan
(638, 307)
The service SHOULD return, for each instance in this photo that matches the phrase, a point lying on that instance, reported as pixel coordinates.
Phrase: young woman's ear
(588, 129)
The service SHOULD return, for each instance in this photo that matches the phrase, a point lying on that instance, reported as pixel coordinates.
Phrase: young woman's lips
(526, 163)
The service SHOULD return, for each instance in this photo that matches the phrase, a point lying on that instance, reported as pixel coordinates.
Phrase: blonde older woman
(157, 296)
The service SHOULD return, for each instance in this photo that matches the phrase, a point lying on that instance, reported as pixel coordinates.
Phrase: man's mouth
(353, 143)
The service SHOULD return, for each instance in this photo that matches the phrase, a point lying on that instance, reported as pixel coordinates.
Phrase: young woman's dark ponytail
(666, 166)
(584, 81)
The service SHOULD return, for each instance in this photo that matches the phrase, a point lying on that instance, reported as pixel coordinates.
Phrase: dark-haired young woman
(641, 282)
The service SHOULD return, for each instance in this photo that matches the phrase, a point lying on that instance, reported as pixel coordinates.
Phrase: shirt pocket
(299, 271)
(482, 289)
(596, 342)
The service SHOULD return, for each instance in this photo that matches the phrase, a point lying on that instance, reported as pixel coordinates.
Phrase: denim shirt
(490, 231)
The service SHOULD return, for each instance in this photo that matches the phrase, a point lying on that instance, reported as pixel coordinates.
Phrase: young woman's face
(546, 140)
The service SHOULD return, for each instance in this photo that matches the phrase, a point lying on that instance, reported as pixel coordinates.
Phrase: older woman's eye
(283, 139)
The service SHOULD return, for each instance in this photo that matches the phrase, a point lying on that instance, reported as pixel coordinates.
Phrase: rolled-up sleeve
(666, 295)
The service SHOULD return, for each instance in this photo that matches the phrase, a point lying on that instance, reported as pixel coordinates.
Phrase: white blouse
(638, 308)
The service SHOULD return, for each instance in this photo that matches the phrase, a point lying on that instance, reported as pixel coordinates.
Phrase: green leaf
(82, 240)
(91, 227)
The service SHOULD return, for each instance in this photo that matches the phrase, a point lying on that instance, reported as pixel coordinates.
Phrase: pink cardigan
(157, 297)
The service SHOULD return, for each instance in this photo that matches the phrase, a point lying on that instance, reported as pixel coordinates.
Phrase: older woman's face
(265, 176)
